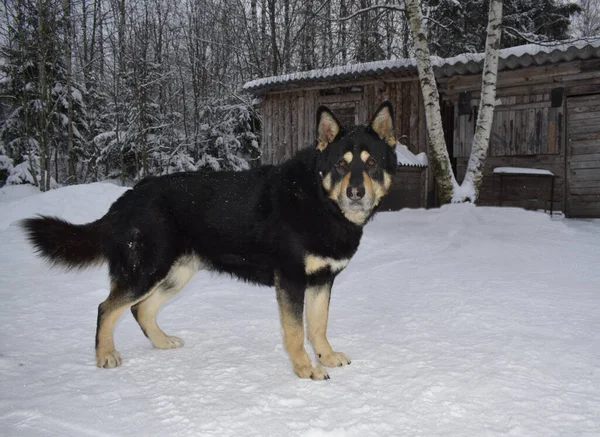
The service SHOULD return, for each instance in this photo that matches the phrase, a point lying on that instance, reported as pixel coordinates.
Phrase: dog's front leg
(290, 297)
(317, 314)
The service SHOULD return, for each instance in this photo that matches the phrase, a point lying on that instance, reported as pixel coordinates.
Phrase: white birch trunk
(440, 161)
(469, 190)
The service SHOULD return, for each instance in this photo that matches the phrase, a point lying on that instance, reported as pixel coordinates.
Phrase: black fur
(63, 243)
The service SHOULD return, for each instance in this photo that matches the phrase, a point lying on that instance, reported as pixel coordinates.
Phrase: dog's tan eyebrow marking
(348, 157)
(364, 155)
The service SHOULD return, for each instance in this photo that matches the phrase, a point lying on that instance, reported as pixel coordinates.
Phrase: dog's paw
(169, 342)
(334, 359)
(108, 360)
(317, 373)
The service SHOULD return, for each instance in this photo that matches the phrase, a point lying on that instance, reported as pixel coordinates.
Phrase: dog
(294, 226)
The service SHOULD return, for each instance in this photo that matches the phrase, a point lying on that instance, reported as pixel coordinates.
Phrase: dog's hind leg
(290, 297)
(317, 314)
(108, 314)
(145, 311)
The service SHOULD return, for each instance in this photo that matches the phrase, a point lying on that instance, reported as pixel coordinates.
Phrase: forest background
(120, 89)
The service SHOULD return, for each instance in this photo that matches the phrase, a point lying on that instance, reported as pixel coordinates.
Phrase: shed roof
(468, 63)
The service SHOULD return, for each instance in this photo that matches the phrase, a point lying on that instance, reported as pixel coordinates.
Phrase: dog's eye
(342, 163)
(371, 162)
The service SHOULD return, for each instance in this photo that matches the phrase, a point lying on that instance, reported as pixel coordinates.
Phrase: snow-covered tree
(455, 27)
(227, 141)
(587, 22)
(34, 84)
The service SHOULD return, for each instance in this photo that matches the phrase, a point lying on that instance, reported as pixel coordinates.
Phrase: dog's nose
(355, 193)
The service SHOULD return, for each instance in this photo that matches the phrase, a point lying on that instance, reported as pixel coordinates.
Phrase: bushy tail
(63, 243)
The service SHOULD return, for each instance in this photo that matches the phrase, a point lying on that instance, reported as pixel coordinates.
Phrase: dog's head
(356, 163)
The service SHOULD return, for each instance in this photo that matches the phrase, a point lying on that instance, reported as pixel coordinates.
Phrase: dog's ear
(327, 127)
(383, 123)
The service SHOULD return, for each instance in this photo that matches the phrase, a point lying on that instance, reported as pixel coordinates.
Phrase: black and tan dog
(294, 226)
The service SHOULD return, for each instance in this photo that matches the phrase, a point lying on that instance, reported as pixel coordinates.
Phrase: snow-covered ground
(460, 321)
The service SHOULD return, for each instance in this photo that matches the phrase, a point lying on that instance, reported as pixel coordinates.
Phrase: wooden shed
(547, 118)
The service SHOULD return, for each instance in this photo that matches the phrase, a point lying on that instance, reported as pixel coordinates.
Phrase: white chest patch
(314, 263)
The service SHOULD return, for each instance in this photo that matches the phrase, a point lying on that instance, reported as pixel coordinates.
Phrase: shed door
(583, 156)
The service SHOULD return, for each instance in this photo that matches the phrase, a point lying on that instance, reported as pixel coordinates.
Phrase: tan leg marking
(109, 312)
(317, 314)
(145, 314)
(293, 341)
(145, 311)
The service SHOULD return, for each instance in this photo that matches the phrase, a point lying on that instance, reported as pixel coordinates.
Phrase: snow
(407, 158)
(523, 170)
(10, 193)
(460, 321)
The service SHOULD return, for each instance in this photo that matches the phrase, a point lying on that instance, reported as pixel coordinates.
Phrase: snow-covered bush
(227, 140)
(6, 165)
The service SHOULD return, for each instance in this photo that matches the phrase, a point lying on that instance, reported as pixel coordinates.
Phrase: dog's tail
(65, 244)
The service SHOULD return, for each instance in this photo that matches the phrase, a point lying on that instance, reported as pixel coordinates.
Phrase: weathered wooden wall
(289, 118)
(407, 191)
(529, 129)
(523, 125)
(583, 156)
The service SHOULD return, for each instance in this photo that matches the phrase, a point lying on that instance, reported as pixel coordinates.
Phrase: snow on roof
(408, 159)
(468, 63)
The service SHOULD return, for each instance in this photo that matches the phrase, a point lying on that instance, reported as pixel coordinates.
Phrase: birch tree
(438, 151)
(449, 189)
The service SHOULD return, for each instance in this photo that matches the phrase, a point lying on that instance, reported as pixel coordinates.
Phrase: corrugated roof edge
(510, 58)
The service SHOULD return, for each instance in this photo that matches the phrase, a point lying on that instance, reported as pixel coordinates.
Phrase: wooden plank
(583, 164)
(583, 116)
(300, 129)
(561, 132)
(584, 147)
(589, 125)
(530, 132)
(533, 105)
(281, 146)
(341, 98)
(590, 198)
(406, 104)
(591, 183)
(310, 118)
(266, 133)
(521, 132)
(552, 131)
(573, 101)
(293, 114)
(577, 190)
(584, 108)
(288, 147)
(272, 134)
(457, 144)
(275, 130)
(584, 174)
(588, 135)
(541, 130)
